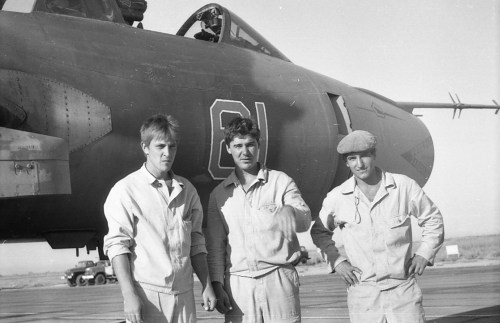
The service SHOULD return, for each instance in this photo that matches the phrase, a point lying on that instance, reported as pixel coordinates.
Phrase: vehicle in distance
(100, 274)
(304, 255)
(74, 276)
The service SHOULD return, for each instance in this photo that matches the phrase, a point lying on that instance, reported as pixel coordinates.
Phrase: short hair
(160, 126)
(372, 151)
(240, 126)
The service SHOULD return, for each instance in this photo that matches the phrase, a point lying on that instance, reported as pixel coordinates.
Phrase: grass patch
(31, 280)
(471, 249)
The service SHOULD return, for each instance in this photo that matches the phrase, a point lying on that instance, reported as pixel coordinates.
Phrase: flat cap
(356, 141)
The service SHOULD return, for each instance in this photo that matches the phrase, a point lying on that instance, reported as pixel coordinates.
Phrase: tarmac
(453, 293)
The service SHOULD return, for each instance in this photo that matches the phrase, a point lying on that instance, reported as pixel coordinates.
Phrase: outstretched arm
(295, 208)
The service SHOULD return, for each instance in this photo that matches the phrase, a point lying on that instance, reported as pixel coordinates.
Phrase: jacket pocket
(268, 208)
(266, 217)
(397, 220)
(398, 230)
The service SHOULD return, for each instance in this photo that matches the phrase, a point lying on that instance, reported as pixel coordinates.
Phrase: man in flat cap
(372, 210)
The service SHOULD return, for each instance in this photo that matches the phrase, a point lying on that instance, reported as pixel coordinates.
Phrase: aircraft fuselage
(93, 83)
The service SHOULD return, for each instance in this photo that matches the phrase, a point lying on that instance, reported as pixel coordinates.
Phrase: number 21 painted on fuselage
(221, 112)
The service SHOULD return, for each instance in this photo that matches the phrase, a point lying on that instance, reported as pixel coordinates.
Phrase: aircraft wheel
(80, 281)
(100, 279)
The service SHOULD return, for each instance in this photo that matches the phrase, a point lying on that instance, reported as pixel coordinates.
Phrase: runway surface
(451, 295)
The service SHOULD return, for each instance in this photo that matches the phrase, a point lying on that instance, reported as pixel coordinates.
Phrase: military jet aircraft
(77, 80)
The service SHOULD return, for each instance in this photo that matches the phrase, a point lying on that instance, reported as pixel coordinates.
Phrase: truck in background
(74, 276)
(100, 274)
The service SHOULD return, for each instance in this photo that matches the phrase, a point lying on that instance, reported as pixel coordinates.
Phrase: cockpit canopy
(215, 23)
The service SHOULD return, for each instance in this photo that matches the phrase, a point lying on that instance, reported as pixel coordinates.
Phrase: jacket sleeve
(293, 198)
(430, 219)
(197, 238)
(120, 219)
(322, 233)
(216, 236)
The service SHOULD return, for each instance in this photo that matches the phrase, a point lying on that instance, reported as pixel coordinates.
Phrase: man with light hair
(155, 237)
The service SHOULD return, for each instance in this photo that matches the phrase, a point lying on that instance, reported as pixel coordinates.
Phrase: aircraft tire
(80, 281)
(100, 279)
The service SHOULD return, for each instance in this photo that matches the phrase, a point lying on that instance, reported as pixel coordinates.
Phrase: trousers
(369, 304)
(273, 297)
(167, 308)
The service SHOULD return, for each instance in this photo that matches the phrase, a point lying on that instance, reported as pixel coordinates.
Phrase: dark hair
(240, 126)
(372, 151)
(161, 126)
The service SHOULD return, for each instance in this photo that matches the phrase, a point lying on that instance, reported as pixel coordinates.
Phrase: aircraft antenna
(458, 106)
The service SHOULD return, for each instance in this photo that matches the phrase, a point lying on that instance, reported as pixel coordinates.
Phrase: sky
(409, 51)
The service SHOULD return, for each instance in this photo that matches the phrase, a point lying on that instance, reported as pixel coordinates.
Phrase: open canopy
(216, 24)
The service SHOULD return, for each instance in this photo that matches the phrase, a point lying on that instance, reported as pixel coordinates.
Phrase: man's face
(244, 150)
(361, 164)
(160, 155)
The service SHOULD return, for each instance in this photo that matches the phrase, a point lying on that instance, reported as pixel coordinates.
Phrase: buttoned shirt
(377, 235)
(161, 230)
(243, 237)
